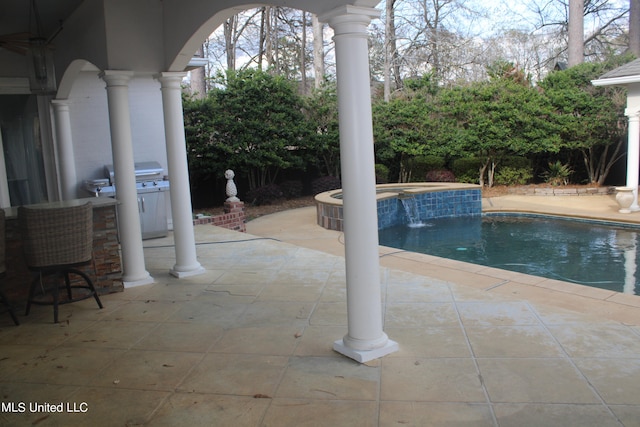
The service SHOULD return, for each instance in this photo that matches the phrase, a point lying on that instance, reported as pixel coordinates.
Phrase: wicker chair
(55, 242)
(3, 268)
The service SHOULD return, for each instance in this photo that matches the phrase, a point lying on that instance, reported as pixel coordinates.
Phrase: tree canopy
(259, 125)
(590, 119)
(508, 116)
(252, 122)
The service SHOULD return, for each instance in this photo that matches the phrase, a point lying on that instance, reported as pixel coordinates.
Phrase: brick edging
(233, 217)
(561, 191)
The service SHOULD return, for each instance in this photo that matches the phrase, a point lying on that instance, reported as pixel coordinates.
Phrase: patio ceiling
(16, 16)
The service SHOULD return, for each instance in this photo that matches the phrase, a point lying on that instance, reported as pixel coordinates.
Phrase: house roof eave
(617, 81)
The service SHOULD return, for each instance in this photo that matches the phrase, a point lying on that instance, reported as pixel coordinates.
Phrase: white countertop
(97, 202)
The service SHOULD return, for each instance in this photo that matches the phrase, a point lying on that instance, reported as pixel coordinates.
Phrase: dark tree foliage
(252, 122)
(321, 110)
(502, 117)
(506, 116)
(257, 124)
(590, 119)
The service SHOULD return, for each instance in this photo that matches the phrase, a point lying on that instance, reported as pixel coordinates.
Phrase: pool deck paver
(248, 343)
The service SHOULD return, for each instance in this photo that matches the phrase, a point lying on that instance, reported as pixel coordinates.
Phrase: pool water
(582, 252)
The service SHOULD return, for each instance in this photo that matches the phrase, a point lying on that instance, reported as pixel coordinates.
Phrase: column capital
(116, 77)
(62, 101)
(170, 78)
(61, 104)
(632, 113)
(349, 14)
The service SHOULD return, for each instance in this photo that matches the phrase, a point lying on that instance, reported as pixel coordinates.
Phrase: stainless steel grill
(151, 185)
(100, 187)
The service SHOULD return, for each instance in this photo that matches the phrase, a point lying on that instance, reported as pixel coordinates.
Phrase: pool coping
(616, 306)
(297, 227)
(328, 197)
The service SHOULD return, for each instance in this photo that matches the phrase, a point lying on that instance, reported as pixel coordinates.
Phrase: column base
(180, 274)
(133, 283)
(364, 356)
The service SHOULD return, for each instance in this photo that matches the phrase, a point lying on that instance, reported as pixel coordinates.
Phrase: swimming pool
(597, 254)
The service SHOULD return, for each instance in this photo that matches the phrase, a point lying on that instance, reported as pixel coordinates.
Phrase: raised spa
(404, 203)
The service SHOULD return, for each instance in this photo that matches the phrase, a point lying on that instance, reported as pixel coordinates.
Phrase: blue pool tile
(443, 204)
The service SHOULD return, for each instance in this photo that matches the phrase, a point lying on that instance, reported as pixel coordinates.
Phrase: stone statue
(232, 191)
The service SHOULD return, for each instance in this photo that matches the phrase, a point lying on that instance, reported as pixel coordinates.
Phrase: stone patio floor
(249, 343)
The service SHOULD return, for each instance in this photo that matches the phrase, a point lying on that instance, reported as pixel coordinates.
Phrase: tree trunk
(263, 33)
(303, 54)
(492, 173)
(268, 35)
(634, 27)
(318, 51)
(389, 41)
(197, 78)
(482, 171)
(273, 34)
(230, 28)
(576, 32)
(405, 170)
(432, 22)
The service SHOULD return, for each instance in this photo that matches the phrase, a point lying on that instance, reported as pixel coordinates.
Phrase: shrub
(513, 176)
(441, 175)
(433, 162)
(558, 173)
(325, 183)
(291, 189)
(382, 174)
(265, 195)
(467, 169)
(420, 165)
(515, 162)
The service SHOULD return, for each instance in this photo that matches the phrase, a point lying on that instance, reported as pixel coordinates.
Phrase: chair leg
(90, 284)
(56, 295)
(58, 277)
(68, 283)
(5, 302)
(32, 290)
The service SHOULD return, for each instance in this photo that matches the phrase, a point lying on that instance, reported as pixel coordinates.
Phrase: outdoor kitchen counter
(97, 202)
(106, 250)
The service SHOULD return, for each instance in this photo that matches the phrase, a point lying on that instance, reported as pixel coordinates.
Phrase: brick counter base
(107, 275)
(233, 217)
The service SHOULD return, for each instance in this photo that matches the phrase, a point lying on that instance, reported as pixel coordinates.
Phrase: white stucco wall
(90, 126)
(90, 123)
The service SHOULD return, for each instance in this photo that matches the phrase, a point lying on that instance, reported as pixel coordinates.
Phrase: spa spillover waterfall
(412, 211)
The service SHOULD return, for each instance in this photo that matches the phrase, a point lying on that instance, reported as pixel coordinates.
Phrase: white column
(5, 199)
(64, 142)
(365, 339)
(134, 272)
(633, 154)
(185, 246)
